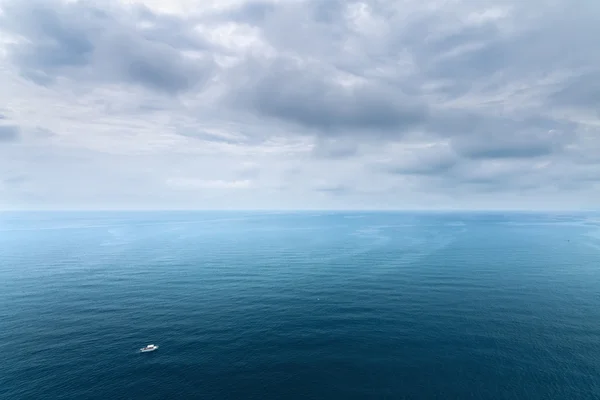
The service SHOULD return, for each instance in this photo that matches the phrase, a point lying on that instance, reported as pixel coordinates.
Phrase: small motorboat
(148, 348)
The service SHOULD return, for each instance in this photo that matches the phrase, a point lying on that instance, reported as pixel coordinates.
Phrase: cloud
(308, 103)
(208, 136)
(511, 145)
(315, 98)
(9, 133)
(84, 42)
(192, 183)
(423, 161)
(15, 180)
(334, 148)
(334, 189)
(581, 91)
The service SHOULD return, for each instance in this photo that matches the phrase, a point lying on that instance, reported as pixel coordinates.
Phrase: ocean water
(345, 305)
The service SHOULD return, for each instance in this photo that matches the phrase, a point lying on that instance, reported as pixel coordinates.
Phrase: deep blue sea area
(307, 305)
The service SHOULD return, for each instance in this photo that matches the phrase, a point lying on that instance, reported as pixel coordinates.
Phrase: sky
(299, 104)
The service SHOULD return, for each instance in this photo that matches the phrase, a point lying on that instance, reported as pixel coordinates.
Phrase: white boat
(148, 348)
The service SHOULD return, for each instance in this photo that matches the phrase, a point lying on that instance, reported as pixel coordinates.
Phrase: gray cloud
(431, 160)
(309, 96)
(9, 133)
(481, 136)
(15, 180)
(429, 167)
(78, 40)
(334, 189)
(461, 56)
(581, 91)
(460, 98)
(511, 145)
(254, 12)
(43, 133)
(202, 135)
(480, 176)
(333, 148)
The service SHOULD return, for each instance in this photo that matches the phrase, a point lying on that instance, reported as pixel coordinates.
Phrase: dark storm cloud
(9, 133)
(79, 40)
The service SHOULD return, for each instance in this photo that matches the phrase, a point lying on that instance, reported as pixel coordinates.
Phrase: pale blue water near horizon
(307, 305)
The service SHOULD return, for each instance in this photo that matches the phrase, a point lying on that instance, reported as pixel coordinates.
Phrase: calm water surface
(299, 305)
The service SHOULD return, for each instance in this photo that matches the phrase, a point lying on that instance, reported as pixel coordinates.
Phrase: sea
(299, 305)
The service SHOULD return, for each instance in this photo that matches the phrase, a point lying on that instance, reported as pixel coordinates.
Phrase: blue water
(299, 305)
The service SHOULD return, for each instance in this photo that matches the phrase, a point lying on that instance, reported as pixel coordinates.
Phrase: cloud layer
(299, 104)
(9, 133)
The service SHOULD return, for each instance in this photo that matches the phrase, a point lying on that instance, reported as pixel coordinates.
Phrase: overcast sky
(292, 104)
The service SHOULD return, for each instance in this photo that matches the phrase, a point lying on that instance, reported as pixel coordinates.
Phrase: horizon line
(298, 210)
